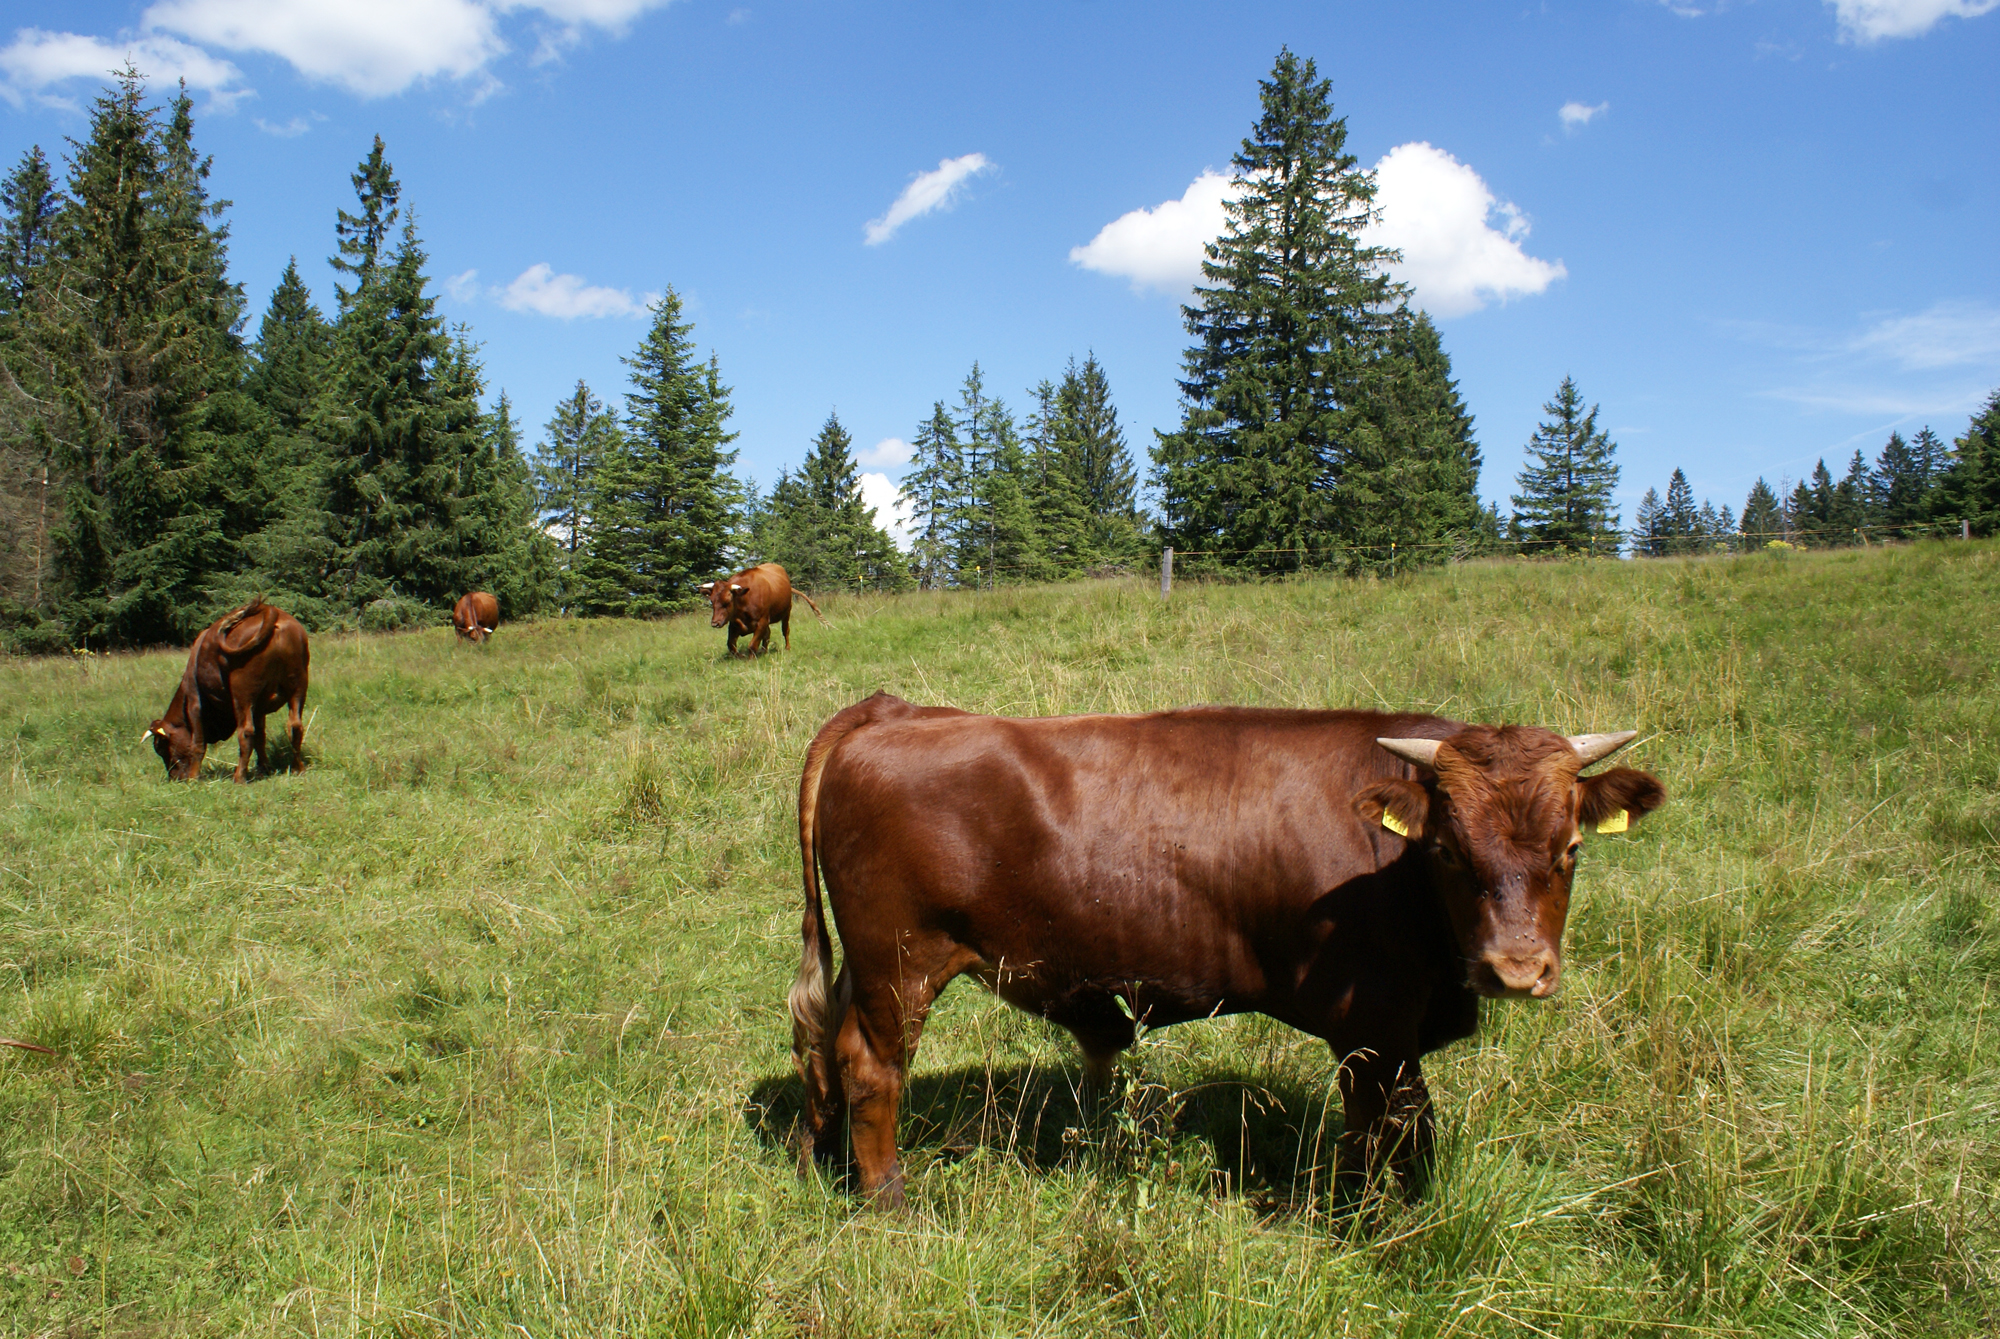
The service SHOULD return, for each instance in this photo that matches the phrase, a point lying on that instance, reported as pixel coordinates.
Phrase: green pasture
(477, 1027)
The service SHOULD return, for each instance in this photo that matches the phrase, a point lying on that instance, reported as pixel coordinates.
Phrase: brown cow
(476, 615)
(242, 667)
(1365, 878)
(751, 601)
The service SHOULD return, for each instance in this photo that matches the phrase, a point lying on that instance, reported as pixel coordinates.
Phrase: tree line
(1914, 488)
(159, 467)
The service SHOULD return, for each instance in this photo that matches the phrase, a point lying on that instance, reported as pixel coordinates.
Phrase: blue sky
(1757, 233)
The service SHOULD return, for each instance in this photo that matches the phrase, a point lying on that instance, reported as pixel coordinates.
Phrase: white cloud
(1431, 207)
(1576, 115)
(888, 453)
(369, 47)
(539, 289)
(291, 129)
(1160, 247)
(927, 191)
(1871, 20)
(1950, 334)
(1435, 210)
(463, 287)
(37, 60)
(372, 48)
(891, 513)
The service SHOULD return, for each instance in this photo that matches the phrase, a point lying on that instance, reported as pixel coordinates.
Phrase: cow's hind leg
(877, 1040)
(295, 726)
(263, 758)
(246, 740)
(786, 624)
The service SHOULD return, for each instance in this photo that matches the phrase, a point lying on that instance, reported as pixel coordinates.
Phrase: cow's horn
(734, 586)
(705, 587)
(1592, 747)
(148, 735)
(1422, 752)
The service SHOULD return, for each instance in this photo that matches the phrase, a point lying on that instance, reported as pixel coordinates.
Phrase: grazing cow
(476, 615)
(242, 668)
(1364, 877)
(751, 601)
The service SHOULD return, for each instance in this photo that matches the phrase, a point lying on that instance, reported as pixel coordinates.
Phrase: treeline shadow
(1269, 1141)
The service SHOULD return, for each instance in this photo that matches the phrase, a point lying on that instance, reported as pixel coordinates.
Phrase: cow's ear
(1609, 801)
(1400, 806)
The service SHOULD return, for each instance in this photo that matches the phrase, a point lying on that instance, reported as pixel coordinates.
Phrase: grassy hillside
(479, 1023)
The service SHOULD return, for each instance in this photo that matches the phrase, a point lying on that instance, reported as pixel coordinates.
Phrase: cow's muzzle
(1533, 975)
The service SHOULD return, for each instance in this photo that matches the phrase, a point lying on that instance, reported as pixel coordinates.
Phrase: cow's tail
(818, 1000)
(245, 631)
(816, 1008)
(809, 601)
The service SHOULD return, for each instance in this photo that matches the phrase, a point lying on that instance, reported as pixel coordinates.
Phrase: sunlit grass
(478, 1023)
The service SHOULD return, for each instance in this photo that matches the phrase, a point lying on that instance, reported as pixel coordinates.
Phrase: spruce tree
(668, 510)
(1565, 502)
(1409, 485)
(1093, 447)
(30, 205)
(1899, 487)
(1680, 520)
(290, 355)
(931, 492)
(1649, 531)
(403, 420)
(1054, 454)
(363, 237)
(1763, 519)
(1849, 512)
(507, 552)
(137, 337)
(1969, 490)
(30, 489)
(1292, 309)
(1929, 458)
(580, 436)
(849, 548)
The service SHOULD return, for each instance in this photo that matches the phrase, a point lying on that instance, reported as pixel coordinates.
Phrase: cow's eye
(1569, 856)
(1446, 855)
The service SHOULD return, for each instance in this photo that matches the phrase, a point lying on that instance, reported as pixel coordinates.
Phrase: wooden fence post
(1166, 572)
(1964, 528)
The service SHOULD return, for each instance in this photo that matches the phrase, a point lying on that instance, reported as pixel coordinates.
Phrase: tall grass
(477, 1026)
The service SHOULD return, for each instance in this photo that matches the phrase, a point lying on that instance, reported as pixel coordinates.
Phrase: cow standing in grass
(751, 601)
(1366, 878)
(476, 615)
(242, 667)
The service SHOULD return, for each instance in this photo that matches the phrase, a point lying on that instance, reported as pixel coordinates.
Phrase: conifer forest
(162, 463)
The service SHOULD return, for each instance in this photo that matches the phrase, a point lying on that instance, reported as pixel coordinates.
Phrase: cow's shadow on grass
(1269, 1140)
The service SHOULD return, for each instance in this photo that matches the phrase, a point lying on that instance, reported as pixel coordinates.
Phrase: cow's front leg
(1388, 1121)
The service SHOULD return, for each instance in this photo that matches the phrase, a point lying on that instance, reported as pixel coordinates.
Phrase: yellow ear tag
(1394, 824)
(1618, 822)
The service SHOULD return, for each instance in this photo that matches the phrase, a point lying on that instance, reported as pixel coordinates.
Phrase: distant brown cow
(476, 615)
(1365, 878)
(242, 667)
(751, 601)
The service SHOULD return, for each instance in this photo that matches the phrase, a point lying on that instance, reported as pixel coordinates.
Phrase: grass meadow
(477, 1027)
